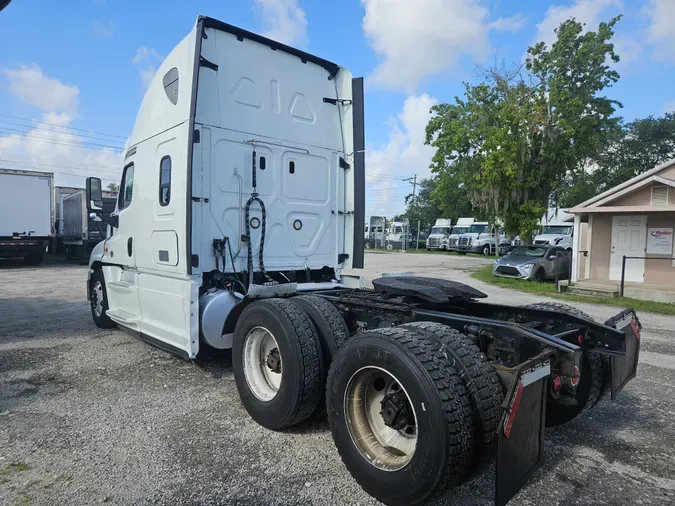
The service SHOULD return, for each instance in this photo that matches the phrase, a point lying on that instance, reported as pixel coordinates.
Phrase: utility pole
(413, 181)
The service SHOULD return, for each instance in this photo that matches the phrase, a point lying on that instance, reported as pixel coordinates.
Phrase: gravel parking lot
(92, 416)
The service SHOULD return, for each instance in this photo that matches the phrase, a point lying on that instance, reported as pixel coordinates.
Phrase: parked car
(536, 262)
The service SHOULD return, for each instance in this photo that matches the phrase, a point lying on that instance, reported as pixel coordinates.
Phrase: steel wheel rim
(262, 379)
(384, 447)
(97, 292)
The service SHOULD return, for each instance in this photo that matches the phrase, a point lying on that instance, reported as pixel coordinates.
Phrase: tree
(519, 135)
(113, 187)
(424, 207)
(633, 149)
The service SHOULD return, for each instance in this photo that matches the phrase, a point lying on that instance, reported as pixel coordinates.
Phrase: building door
(629, 238)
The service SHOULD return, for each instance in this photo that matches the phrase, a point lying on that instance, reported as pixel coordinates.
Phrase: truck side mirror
(94, 194)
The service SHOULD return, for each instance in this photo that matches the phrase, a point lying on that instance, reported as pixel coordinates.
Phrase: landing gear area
(424, 385)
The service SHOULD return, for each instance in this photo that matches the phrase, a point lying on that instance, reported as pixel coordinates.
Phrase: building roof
(626, 187)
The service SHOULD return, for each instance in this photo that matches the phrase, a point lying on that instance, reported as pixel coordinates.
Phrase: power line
(61, 126)
(74, 166)
(50, 167)
(82, 136)
(47, 140)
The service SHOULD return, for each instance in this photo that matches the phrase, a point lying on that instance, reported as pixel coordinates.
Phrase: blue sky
(80, 67)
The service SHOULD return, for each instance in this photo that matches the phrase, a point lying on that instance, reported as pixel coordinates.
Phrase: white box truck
(26, 214)
(218, 242)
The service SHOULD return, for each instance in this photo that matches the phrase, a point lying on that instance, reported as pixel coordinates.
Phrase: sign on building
(660, 241)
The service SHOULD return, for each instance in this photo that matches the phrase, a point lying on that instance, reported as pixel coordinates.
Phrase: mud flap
(520, 436)
(624, 368)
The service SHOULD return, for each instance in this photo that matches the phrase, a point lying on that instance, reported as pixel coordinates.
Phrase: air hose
(254, 198)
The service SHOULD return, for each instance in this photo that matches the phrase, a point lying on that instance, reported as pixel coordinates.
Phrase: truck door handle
(129, 245)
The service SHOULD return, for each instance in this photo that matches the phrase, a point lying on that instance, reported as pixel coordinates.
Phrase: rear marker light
(508, 423)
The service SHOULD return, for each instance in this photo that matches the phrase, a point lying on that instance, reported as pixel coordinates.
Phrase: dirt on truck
(218, 244)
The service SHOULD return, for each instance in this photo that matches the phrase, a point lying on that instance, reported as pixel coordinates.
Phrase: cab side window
(127, 187)
(165, 181)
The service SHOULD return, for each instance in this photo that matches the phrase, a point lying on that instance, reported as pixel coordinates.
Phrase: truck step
(122, 316)
(121, 284)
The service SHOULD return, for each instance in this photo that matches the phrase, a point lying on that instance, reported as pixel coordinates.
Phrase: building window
(659, 195)
(165, 181)
(127, 188)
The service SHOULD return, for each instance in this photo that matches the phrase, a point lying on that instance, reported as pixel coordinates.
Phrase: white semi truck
(440, 233)
(26, 214)
(556, 230)
(461, 227)
(218, 243)
(376, 232)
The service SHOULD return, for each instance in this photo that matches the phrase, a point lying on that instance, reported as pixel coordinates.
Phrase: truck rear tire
(331, 329)
(277, 363)
(98, 300)
(479, 378)
(330, 325)
(399, 415)
(594, 376)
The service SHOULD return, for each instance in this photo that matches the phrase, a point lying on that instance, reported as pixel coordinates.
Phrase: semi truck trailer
(26, 214)
(217, 243)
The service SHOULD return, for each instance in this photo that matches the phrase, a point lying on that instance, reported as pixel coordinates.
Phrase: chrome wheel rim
(97, 298)
(387, 446)
(262, 364)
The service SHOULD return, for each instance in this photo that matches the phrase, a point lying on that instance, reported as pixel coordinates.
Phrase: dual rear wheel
(412, 410)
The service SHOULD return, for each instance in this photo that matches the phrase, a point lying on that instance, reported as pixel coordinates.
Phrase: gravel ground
(90, 416)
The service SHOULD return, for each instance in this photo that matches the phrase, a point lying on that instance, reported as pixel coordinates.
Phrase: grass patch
(20, 467)
(485, 274)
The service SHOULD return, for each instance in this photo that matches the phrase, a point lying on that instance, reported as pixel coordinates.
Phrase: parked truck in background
(376, 232)
(80, 231)
(440, 232)
(461, 227)
(480, 238)
(217, 243)
(26, 214)
(556, 230)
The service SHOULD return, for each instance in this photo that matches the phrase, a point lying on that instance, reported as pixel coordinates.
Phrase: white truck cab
(221, 157)
(242, 201)
(556, 235)
(440, 232)
(480, 238)
(461, 227)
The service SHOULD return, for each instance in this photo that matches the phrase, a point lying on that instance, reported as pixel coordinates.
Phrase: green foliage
(631, 150)
(517, 136)
(113, 187)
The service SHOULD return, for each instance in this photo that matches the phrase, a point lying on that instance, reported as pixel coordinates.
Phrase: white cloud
(669, 106)
(628, 48)
(103, 29)
(419, 39)
(284, 21)
(403, 155)
(513, 23)
(661, 31)
(590, 12)
(147, 61)
(50, 144)
(30, 85)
